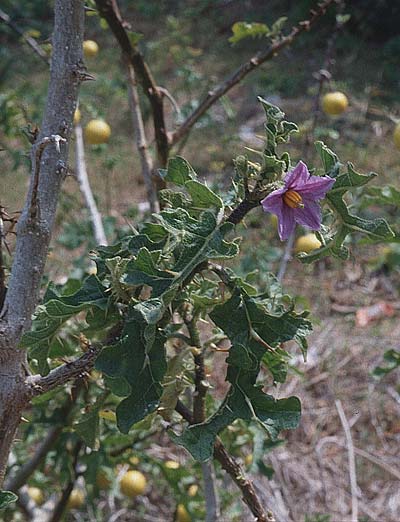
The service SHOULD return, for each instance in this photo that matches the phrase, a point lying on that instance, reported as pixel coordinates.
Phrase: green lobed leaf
(51, 315)
(138, 360)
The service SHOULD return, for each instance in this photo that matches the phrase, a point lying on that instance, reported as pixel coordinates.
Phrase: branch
(33, 236)
(352, 461)
(37, 385)
(238, 75)
(108, 9)
(84, 185)
(28, 39)
(141, 142)
(233, 469)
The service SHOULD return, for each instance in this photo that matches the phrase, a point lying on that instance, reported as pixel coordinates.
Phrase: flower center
(292, 199)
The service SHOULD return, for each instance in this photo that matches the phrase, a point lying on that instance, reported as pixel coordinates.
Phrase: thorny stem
(199, 415)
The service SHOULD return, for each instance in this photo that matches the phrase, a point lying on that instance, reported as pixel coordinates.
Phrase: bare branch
(108, 9)
(84, 185)
(28, 39)
(141, 142)
(238, 75)
(352, 461)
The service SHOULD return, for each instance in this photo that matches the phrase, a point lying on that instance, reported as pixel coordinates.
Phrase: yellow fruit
(181, 514)
(77, 116)
(396, 136)
(334, 103)
(102, 480)
(90, 48)
(192, 490)
(248, 460)
(307, 243)
(97, 131)
(134, 461)
(133, 483)
(172, 464)
(76, 499)
(36, 495)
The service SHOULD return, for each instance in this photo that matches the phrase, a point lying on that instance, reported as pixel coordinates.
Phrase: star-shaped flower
(297, 201)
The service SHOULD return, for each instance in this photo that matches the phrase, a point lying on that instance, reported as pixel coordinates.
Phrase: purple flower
(297, 201)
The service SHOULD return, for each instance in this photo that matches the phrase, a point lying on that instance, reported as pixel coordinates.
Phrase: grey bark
(37, 219)
(84, 185)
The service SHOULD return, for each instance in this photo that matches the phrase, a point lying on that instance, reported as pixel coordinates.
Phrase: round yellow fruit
(192, 490)
(97, 132)
(334, 103)
(307, 243)
(133, 483)
(396, 136)
(76, 499)
(182, 514)
(36, 494)
(90, 48)
(77, 116)
(134, 460)
(102, 480)
(172, 464)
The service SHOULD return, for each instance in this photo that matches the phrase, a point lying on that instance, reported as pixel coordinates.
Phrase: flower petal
(286, 223)
(309, 216)
(316, 187)
(297, 177)
(273, 202)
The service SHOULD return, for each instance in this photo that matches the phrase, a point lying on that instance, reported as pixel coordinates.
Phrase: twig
(287, 254)
(141, 142)
(108, 9)
(246, 68)
(210, 491)
(229, 464)
(84, 185)
(28, 39)
(352, 461)
(199, 415)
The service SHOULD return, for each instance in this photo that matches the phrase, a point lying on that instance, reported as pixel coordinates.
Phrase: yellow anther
(292, 199)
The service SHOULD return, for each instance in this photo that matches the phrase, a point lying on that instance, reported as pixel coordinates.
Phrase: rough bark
(49, 160)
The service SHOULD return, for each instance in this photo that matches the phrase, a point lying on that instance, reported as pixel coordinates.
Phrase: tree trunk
(49, 161)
